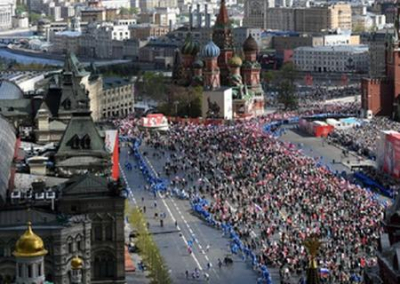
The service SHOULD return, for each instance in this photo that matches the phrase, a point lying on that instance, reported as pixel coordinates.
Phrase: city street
(173, 241)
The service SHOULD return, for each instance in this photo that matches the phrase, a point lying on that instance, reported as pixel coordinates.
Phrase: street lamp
(176, 108)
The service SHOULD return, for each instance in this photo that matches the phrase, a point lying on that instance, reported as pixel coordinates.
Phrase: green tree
(182, 101)
(21, 9)
(151, 85)
(286, 87)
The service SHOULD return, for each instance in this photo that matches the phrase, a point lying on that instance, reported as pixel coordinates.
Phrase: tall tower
(76, 266)
(189, 51)
(29, 253)
(251, 68)
(211, 75)
(222, 36)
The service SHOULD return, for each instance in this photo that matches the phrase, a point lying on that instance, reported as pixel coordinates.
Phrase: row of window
(29, 270)
(103, 233)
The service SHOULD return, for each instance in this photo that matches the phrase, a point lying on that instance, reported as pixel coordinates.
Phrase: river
(24, 59)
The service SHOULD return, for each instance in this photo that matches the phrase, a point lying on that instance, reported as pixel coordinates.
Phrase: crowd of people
(272, 195)
(323, 93)
(363, 139)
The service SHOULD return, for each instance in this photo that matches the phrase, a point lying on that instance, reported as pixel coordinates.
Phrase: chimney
(190, 17)
(198, 16)
(207, 17)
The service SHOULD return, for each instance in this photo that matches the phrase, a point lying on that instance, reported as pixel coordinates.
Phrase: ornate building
(381, 96)
(29, 253)
(216, 66)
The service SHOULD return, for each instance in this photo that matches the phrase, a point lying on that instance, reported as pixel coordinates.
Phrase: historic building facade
(216, 66)
(7, 8)
(381, 95)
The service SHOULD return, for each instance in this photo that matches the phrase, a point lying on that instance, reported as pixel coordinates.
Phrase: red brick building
(381, 95)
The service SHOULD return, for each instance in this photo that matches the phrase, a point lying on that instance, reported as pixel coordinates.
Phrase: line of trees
(284, 82)
(172, 100)
(149, 250)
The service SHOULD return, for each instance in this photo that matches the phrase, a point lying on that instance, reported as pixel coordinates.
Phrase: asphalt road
(173, 240)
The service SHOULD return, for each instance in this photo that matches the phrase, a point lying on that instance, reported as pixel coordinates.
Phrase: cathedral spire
(222, 18)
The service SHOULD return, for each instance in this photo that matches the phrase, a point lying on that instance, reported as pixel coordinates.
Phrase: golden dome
(29, 244)
(76, 262)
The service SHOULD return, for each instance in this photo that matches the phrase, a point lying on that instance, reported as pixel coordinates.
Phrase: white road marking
(173, 218)
(186, 223)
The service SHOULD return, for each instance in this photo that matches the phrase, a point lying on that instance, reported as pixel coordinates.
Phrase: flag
(258, 208)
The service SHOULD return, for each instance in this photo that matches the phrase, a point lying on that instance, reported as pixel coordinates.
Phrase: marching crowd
(273, 195)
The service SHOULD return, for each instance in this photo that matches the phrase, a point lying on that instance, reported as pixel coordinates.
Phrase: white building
(7, 8)
(368, 21)
(116, 4)
(344, 58)
(340, 39)
(117, 97)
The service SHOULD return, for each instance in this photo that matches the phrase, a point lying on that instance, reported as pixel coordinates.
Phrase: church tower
(189, 51)
(76, 267)
(211, 75)
(29, 253)
(251, 68)
(222, 36)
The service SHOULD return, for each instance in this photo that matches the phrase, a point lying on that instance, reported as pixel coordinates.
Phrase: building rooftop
(115, 82)
(10, 90)
(338, 48)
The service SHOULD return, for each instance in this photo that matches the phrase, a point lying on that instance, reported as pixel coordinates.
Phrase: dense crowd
(323, 94)
(274, 196)
(265, 189)
(363, 139)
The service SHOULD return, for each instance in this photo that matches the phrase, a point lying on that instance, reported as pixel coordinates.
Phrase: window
(39, 269)
(20, 270)
(109, 233)
(98, 236)
(79, 245)
(70, 247)
(30, 272)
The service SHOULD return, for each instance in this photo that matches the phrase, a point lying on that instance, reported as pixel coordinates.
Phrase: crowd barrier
(157, 184)
(198, 205)
(369, 182)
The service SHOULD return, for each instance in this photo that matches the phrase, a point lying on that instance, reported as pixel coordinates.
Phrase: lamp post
(176, 108)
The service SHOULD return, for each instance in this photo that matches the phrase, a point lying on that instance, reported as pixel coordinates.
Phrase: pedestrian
(206, 276)
(207, 248)
(187, 274)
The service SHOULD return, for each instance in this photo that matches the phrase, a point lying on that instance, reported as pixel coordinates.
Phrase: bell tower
(29, 253)
(222, 36)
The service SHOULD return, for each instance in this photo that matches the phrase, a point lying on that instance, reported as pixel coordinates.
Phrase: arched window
(109, 232)
(98, 234)
(70, 245)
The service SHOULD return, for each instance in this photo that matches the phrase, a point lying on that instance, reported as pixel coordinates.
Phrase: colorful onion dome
(29, 244)
(190, 47)
(210, 50)
(250, 44)
(235, 61)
